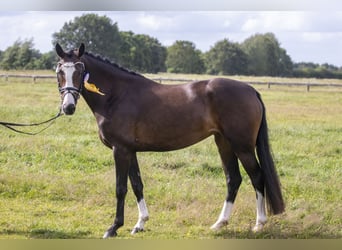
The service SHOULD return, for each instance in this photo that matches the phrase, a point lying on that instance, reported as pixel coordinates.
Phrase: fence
(33, 77)
(161, 80)
(269, 84)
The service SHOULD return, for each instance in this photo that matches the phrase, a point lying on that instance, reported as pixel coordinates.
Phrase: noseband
(75, 92)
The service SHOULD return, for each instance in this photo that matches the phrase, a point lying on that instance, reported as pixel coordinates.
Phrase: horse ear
(60, 51)
(81, 50)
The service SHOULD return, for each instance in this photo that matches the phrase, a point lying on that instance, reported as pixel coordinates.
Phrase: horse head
(70, 76)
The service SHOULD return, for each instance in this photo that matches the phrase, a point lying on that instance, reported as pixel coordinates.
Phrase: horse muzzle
(69, 109)
(69, 104)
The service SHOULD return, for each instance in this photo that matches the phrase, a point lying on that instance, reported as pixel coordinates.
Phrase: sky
(309, 36)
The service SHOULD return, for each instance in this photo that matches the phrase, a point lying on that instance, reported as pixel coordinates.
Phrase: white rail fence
(308, 86)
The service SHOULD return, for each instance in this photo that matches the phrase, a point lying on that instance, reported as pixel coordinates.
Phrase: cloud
(320, 37)
(302, 33)
(313, 37)
(149, 22)
(26, 25)
(277, 22)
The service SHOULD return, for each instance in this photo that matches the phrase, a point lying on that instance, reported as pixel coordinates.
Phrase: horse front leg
(137, 185)
(122, 158)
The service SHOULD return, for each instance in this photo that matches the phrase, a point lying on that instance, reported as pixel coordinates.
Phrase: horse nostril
(69, 109)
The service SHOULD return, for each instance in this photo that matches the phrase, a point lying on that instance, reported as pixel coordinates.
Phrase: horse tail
(274, 198)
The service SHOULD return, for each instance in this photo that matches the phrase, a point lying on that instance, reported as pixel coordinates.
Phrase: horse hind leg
(233, 179)
(254, 171)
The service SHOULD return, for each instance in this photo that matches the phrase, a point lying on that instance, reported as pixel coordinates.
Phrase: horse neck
(108, 76)
(111, 80)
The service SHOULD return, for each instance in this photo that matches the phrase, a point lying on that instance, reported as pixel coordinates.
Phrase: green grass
(61, 183)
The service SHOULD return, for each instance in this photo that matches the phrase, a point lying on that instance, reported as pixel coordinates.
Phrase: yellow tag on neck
(90, 86)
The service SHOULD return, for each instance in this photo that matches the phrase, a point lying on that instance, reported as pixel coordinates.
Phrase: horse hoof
(218, 225)
(137, 230)
(109, 234)
(258, 228)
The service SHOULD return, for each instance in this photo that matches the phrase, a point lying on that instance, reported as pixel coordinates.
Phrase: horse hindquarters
(239, 113)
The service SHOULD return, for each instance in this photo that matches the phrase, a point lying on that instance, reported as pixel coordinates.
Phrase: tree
(9, 57)
(183, 57)
(226, 58)
(129, 46)
(99, 34)
(265, 56)
(285, 64)
(46, 61)
(155, 52)
(21, 55)
(142, 53)
(313, 70)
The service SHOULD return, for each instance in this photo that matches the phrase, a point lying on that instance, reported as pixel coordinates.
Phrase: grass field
(61, 183)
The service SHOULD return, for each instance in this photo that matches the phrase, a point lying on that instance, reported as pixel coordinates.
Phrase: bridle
(75, 92)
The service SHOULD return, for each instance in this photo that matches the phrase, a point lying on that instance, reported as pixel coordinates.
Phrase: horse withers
(135, 114)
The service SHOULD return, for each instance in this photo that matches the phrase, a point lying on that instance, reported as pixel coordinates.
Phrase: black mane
(110, 63)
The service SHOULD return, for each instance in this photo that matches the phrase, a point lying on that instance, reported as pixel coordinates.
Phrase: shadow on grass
(276, 232)
(48, 234)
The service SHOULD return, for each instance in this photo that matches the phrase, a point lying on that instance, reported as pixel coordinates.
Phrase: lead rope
(11, 125)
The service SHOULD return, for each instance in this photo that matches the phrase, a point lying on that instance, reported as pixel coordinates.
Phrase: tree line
(258, 55)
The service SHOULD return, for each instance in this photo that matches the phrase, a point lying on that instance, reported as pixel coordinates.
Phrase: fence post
(308, 87)
(269, 85)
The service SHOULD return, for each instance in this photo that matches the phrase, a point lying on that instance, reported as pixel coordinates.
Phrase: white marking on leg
(261, 213)
(224, 216)
(143, 217)
(106, 235)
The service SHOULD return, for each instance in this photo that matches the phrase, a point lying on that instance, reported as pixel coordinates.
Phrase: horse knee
(121, 192)
(236, 181)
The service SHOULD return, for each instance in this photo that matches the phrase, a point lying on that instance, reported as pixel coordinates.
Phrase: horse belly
(171, 143)
(166, 134)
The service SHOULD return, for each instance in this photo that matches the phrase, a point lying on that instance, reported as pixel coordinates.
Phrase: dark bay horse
(135, 114)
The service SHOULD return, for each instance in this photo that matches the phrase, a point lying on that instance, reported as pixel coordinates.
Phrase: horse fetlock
(145, 218)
